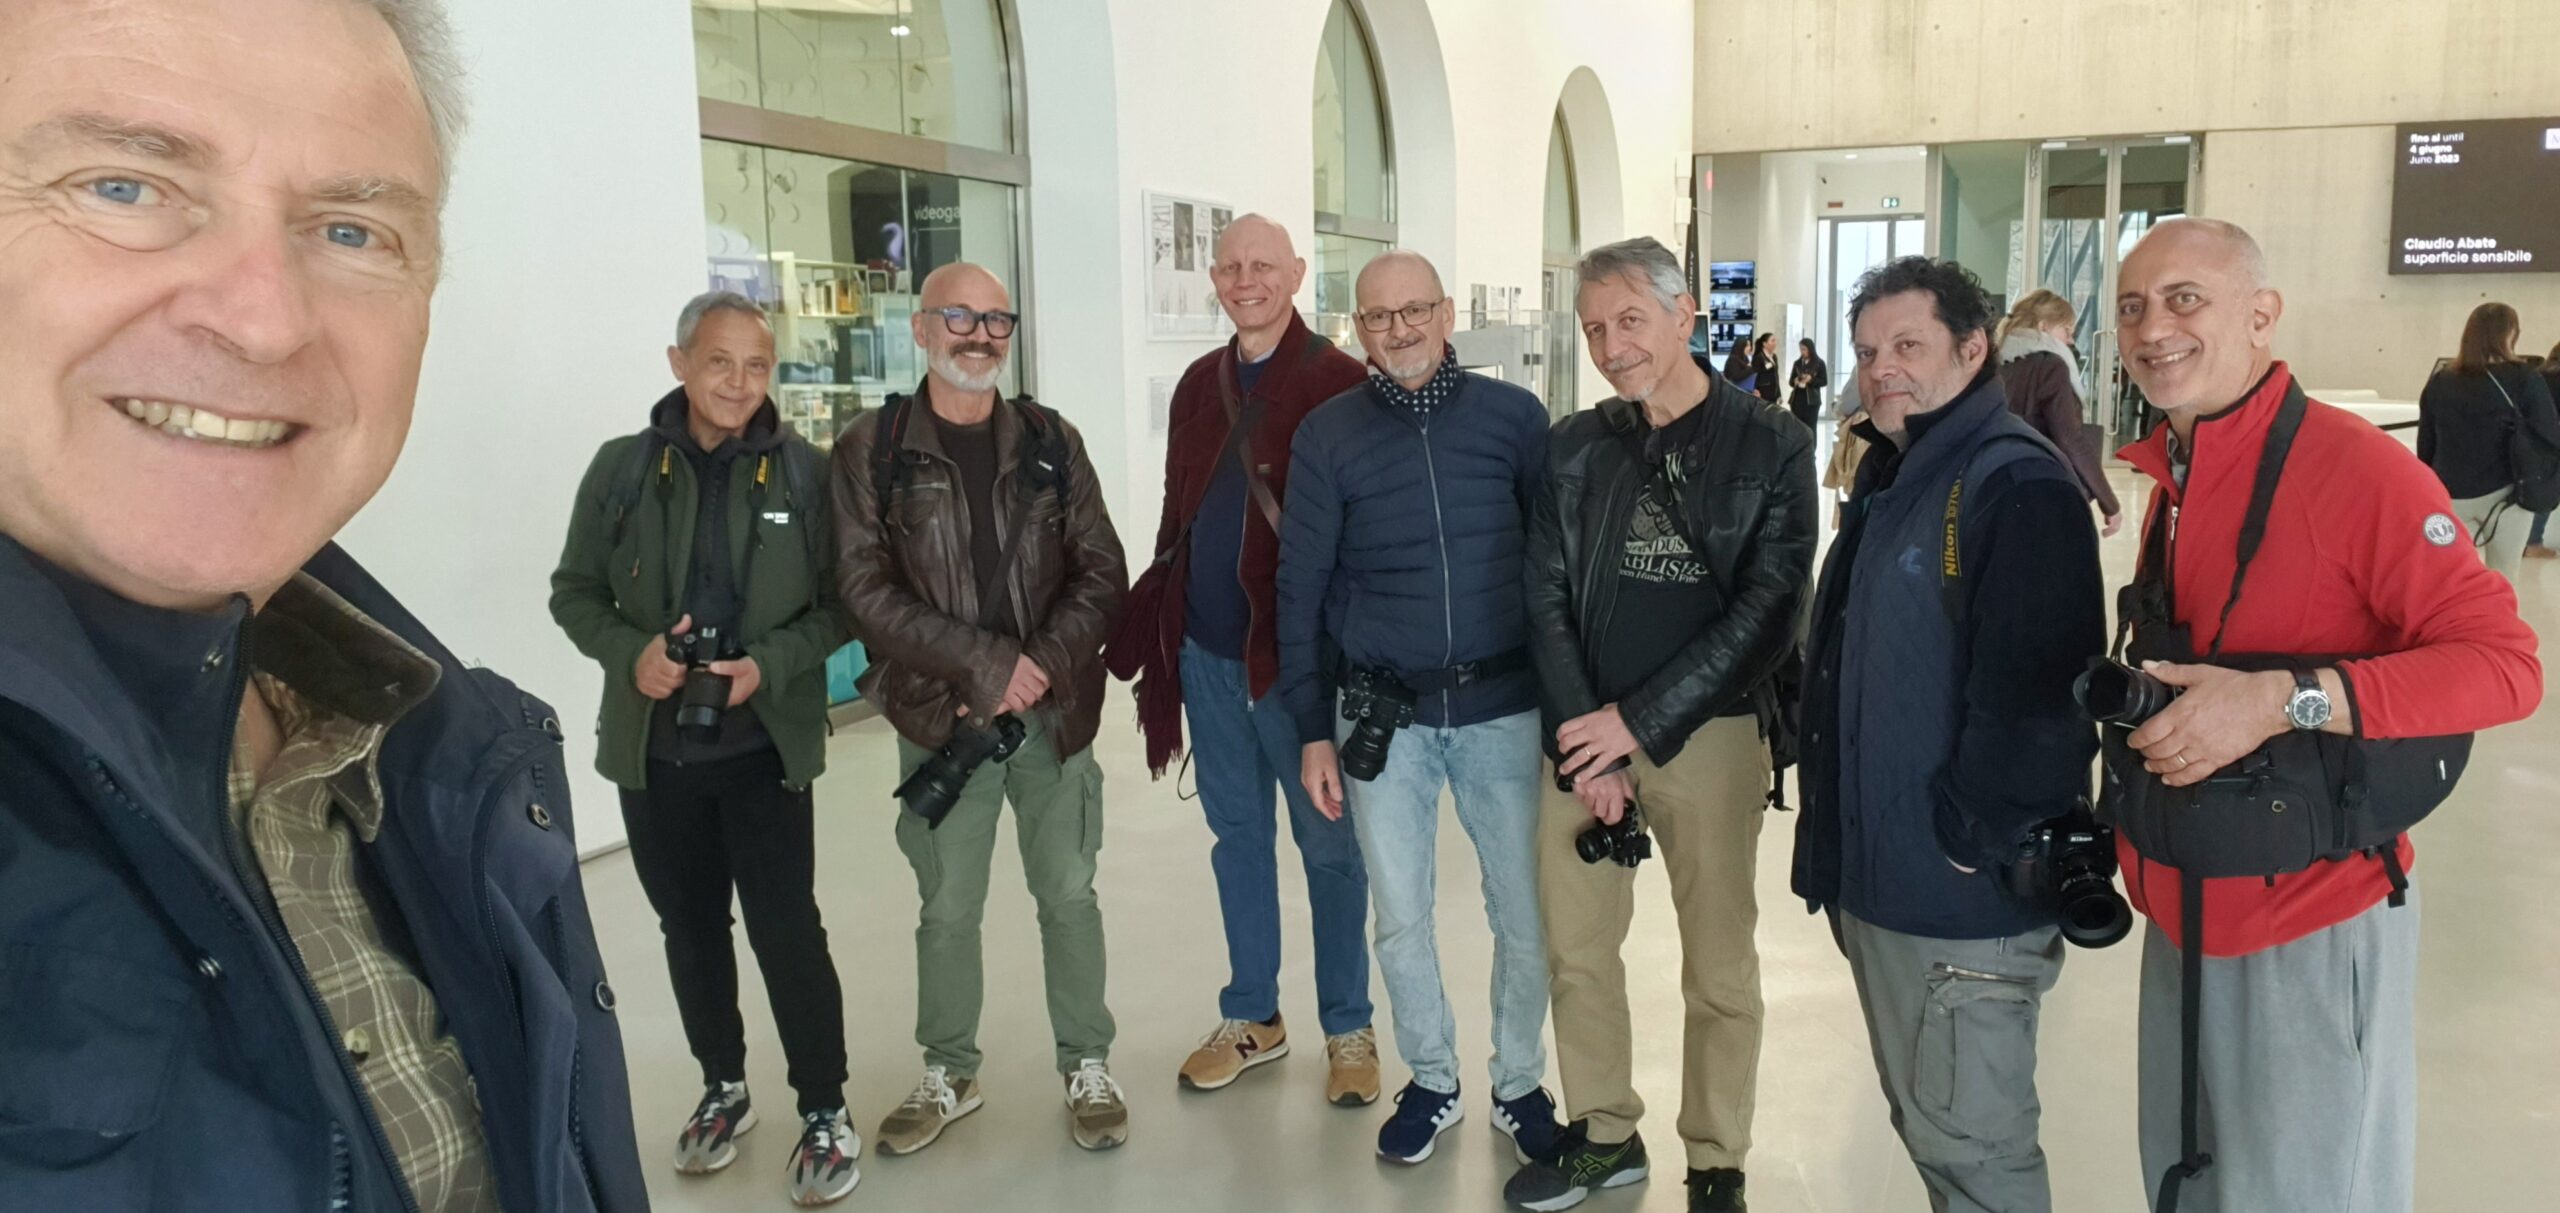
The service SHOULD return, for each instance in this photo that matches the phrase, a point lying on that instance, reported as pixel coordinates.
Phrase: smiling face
(1909, 362)
(2196, 329)
(726, 369)
(1634, 341)
(965, 362)
(1389, 287)
(218, 238)
(1257, 274)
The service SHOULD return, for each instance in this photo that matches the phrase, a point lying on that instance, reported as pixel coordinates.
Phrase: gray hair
(426, 36)
(689, 321)
(1642, 259)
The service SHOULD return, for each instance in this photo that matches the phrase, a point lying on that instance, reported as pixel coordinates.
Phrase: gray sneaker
(1095, 1107)
(928, 1110)
(709, 1141)
(822, 1170)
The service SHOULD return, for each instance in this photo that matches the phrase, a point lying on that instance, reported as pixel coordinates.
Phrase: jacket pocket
(86, 1042)
(1974, 1064)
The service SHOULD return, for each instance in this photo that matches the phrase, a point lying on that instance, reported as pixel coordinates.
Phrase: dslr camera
(2112, 692)
(936, 785)
(1625, 844)
(1377, 704)
(704, 700)
(2069, 863)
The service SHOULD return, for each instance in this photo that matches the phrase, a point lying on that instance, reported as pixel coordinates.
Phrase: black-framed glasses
(1415, 315)
(961, 321)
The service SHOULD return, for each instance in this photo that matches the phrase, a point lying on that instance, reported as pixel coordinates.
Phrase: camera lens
(2114, 693)
(701, 705)
(937, 784)
(1364, 753)
(2093, 915)
(1592, 844)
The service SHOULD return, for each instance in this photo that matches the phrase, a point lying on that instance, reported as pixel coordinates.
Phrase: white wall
(574, 233)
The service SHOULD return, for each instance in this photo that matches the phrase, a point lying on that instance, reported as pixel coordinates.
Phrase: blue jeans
(1239, 748)
(2541, 523)
(1495, 769)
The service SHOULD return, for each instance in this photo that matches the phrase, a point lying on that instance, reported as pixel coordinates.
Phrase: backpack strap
(1954, 597)
(632, 480)
(800, 485)
(2262, 499)
(888, 431)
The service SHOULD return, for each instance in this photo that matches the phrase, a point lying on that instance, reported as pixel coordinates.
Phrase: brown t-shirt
(973, 447)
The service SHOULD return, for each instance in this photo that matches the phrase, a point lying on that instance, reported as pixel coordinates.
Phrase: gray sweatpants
(2308, 1095)
(1953, 1024)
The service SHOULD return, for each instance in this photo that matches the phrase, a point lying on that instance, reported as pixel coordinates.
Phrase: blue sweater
(1401, 545)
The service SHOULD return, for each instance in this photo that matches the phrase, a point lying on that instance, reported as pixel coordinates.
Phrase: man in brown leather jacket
(982, 573)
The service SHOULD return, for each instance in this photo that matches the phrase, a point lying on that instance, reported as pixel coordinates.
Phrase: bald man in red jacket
(2308, 1062)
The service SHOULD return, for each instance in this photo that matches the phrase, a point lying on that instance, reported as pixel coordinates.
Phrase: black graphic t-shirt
(1666, 597)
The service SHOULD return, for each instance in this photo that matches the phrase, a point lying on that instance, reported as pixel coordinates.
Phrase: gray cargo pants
(2308, 1065)
(1953, 1024)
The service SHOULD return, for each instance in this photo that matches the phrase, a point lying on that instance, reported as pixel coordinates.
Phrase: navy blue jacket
(1938, 719)
(1401, 545)
(160, 1048)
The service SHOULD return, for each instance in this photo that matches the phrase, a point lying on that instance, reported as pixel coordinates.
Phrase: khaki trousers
(1703, 811)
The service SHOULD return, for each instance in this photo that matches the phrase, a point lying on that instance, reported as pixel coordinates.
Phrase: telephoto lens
(937, 783)
(2112, 692)
(704, 700)
(1377, 704)
(1625, 844)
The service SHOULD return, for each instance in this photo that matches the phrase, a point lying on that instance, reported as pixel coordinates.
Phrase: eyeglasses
(963, 321)
(1415, 315)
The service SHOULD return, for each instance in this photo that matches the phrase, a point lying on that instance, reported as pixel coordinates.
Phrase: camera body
(2069, 863)
(1377, 703)
(703, 702)
(2112, 692)
(936, 785)
(1625, 844)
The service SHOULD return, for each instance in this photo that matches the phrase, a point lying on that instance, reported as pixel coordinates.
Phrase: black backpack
(2532, 463)
(1042, 461)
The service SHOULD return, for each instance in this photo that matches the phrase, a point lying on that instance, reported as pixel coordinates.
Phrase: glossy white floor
(2490, 1136)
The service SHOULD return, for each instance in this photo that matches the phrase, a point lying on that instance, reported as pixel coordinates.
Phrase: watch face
(2309, 709)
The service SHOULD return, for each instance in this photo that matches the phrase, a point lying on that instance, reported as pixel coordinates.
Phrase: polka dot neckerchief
(1443, 385)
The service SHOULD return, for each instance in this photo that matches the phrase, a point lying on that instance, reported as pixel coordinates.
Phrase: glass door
(1851, 247)
(2090, 201)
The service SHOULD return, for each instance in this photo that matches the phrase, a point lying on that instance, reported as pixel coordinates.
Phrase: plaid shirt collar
(337, 682)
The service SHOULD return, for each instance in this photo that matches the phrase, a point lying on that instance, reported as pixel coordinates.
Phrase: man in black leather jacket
(1670, 555)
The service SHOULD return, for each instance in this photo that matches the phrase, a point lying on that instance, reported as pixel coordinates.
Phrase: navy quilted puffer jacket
(1401, 547)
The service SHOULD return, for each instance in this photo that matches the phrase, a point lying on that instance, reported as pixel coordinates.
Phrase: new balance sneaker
(1422, 1115)
(1237, 1046)
(1352, 1080)
(1097, 1113)
(928, 1110)
(1716, 1191)
(1575, 1167)
(822, 1169)
(1529, 1121)
(709, 1140)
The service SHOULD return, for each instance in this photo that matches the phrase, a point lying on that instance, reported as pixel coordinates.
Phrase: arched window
(1564, 206)
(1559, 377)
(851, 147)
(1355, 160)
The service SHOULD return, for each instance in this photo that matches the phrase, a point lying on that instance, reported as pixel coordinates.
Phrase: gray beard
(947, 368)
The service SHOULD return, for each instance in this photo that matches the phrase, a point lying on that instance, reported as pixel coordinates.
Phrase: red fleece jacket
(2362, 555)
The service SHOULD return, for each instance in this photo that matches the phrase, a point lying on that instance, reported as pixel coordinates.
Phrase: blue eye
(123, 191)
(348, 235)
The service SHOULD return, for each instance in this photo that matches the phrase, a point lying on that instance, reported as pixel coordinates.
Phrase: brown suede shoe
(1097, 1113)
(1237, 1046)
(1353, 1082)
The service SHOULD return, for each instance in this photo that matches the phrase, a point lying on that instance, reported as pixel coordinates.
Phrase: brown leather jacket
(913, 592)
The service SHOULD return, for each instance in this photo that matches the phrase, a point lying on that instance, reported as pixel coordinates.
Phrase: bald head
(1400, 272)
(1257, 273)
(961, 309)
(2216, 239)
(961, 284)
(1251, 236)
(2195, 318)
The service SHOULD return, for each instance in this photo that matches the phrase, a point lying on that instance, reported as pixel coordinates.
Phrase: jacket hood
(2023, 342)
(669, 415)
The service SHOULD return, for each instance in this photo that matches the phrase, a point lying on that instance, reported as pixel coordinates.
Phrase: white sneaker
(822, 1169)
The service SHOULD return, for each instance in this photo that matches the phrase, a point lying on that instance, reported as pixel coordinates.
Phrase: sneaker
(2541, 551)
(1716, 1191)
(1575, 1167)
(1096, 1111)
(1237, 1046)
(1530, 1123)
(709, 1141)
(822, 1169)
(1422, 1115)
(1353, 1080)
(928, 1110)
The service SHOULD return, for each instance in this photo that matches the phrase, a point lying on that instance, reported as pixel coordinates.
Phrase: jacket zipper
(1448, 593)
(1957, 971)
(237, 851)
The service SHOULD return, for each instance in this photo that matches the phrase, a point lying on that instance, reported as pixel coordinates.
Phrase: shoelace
(818, 1134)
(935, 1090)
(715, 1101)
(1230, 1031)
(1355, 1049)
(1091, 1084)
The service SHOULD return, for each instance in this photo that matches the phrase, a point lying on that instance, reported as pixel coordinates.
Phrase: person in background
(1765, 368)
(1811, 375)
(291, 916)
(1400, 577)
(1737, 365)
(2466, 418)
(2536, 544)
(1219, 540)
(2040, 372)
(650, 567)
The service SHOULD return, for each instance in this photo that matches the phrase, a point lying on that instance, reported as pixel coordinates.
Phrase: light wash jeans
(1494, 768)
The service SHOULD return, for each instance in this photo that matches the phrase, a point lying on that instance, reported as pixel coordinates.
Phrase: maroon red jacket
(1292, 385)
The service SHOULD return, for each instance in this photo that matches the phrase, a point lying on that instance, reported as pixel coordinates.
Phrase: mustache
(981, 348)
(1628, 363)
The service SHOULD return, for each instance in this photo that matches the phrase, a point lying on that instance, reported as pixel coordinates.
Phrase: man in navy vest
(1939, 730)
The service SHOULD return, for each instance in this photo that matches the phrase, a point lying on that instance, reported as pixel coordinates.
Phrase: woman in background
(1764, 367)
(1810, 376)
(1737, 366)
(2534, 546)
(2466, 418)
(2039, 372)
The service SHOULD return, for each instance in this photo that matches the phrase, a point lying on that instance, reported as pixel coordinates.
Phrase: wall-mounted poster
(1182, 234)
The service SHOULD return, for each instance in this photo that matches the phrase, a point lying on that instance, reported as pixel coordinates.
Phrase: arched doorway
(1355, 180)
(1561, 367)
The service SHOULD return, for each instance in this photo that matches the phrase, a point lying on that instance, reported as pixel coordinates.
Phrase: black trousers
(701, 832)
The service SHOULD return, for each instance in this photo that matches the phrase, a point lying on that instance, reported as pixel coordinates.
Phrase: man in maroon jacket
(2307, 1074)
(1226, 468)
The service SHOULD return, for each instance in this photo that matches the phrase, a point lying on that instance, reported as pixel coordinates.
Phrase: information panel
(2476, 197)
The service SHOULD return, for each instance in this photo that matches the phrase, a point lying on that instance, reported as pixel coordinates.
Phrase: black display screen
(2475, 197)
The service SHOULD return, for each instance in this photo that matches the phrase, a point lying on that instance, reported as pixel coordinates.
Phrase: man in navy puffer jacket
(1400, 556)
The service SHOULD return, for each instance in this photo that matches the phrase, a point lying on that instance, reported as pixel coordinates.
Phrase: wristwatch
(2309, 709)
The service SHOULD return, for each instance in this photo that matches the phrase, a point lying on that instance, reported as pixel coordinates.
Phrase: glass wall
(933, 69)
(1560, 362)
(1355, 156)
(1982, 211)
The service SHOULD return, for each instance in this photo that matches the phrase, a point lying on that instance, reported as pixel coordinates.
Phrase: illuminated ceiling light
(899, 31)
